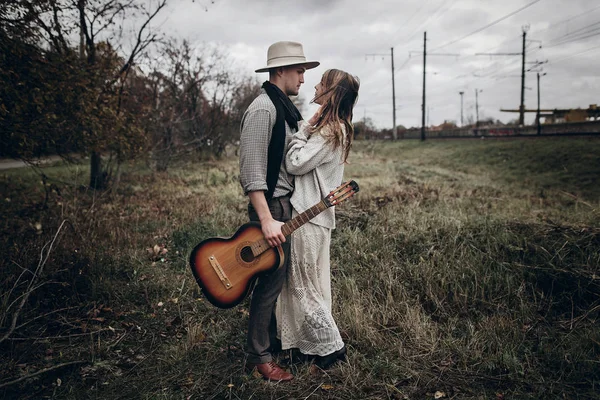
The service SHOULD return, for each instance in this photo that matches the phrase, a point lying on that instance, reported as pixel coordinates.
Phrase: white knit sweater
(318, 169)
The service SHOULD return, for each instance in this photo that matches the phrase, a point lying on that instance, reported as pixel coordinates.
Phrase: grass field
(464, 269)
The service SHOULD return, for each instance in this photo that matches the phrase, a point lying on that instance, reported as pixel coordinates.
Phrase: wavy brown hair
(339, 95)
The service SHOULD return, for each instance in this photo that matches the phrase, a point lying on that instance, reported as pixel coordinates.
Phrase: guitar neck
(335, 197)
(303, 218)
(261, 245)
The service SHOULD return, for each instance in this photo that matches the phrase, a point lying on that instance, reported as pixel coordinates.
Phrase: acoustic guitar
(227, 268)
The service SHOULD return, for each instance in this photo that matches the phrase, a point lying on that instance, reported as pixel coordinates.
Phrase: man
(266, 129)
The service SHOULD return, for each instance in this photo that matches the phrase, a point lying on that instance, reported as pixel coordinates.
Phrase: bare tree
(110, 23)
(196, 102)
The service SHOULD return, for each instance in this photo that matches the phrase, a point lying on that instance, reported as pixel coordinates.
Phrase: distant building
(557, 116)
(445, 126)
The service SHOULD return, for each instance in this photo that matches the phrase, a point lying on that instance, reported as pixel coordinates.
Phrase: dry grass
(468, 268)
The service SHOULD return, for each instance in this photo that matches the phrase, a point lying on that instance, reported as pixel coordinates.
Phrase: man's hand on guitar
(272, 230)
(226, 268)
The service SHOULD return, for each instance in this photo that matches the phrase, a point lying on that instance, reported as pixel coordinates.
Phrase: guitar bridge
(220, 273)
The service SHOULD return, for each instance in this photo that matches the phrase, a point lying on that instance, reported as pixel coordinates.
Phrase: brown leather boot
(273, 372)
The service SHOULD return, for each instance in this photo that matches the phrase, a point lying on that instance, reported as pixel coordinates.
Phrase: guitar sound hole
(247, 255)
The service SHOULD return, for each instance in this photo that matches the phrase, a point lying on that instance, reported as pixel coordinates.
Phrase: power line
(393, 90)
(440, 12)
(437, 15)
(582, 36)
(568, 19)
(495, 68)
(491, 69)
(574, 55)
(487, 26)
(411, 17)
(522, 54)
(575, 32)
(491, 65)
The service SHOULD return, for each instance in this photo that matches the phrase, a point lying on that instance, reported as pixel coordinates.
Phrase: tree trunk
(97, 177)
(164, 157)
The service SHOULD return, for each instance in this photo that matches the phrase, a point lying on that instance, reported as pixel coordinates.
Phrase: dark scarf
(286, 112)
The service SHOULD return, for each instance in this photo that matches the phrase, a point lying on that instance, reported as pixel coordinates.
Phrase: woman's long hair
(340, 93)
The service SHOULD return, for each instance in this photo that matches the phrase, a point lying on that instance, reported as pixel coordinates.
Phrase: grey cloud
(340, 33)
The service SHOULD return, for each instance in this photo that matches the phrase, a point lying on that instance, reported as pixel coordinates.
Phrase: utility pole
(424, 74)
(461, 108)
(477, 108)
(365, 123)
(424, 104)
(394, 129)
(522, 106)
(537, 117)
(522, 54)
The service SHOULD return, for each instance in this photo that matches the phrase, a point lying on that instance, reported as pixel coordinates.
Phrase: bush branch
(30, 288)
(43, 371)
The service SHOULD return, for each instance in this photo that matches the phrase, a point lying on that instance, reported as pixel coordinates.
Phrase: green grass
(467, 267)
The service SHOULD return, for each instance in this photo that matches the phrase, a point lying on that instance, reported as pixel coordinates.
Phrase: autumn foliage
(159, 100)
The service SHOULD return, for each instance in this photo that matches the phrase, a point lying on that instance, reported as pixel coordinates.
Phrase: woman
(316, 156)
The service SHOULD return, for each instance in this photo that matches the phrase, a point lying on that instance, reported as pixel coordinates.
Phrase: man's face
(293, 78)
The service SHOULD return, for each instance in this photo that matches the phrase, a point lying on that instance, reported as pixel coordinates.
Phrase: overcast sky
(340, 34)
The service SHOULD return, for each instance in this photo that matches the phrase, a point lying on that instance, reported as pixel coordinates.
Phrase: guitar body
(226, 269)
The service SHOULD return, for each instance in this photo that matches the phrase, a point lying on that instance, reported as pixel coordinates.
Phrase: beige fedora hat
(282, 54)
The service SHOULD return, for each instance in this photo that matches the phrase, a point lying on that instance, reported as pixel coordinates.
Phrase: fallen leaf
(256, 374)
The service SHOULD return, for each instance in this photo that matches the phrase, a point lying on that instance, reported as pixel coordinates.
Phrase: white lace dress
(304, 317)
